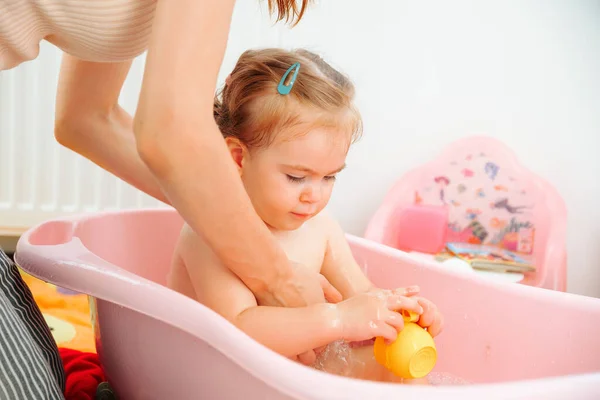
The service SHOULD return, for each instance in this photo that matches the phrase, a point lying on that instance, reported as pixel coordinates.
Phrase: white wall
(430, 72)
(525, 72)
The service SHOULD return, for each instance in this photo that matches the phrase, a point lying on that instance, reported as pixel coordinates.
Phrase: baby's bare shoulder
(324, 223)
(192, 248)
(322, 227)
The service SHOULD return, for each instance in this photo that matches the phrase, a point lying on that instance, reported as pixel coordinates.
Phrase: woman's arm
(179, 141)
(90, 121)
(181, 155)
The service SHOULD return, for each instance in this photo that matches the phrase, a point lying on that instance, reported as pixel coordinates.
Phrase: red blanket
(83, 372)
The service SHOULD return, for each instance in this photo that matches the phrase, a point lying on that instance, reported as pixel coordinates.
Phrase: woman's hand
(303, 287)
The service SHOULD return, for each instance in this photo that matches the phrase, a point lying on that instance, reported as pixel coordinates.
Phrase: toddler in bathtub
(288, 120)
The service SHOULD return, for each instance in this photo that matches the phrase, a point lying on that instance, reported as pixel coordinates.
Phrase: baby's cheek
(286, 195)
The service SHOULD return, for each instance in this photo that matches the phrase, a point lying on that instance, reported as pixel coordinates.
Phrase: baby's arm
(288, 331)
(339, 267)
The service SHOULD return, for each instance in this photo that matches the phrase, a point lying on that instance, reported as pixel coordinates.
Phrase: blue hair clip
(282, 88)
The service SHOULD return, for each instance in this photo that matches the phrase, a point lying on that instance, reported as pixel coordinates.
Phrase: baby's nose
(310, 195)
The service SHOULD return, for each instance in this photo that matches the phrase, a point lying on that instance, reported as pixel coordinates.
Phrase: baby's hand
(431, 318)
(407, 291)
(375, 313)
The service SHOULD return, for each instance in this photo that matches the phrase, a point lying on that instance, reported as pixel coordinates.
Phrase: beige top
(94, 30)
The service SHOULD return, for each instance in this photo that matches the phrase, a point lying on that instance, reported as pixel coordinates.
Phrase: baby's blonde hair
(250, 108)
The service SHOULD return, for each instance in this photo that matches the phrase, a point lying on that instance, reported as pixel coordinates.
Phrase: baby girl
(288, 120)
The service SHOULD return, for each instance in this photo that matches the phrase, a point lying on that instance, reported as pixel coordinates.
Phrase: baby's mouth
(301, 215)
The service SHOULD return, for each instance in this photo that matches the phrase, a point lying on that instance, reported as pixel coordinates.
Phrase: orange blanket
(68, 315)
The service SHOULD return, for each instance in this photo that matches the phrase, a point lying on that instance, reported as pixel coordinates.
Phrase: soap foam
(444, 379)
(340, 358)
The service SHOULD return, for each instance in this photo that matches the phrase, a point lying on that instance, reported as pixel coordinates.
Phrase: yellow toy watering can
(412, 355)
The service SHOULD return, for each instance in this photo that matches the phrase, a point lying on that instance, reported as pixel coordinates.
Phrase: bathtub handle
(51, 252)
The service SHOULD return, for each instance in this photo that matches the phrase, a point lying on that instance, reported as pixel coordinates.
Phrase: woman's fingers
(332, 295)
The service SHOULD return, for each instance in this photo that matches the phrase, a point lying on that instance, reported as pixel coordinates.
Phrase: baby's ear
(237, 150)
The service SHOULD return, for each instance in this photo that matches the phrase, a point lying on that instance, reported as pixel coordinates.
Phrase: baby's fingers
(397, 303)
(388, 332)
(307, 358)
(429, 312)
(407, 291)
(437, 325)
(395, 320)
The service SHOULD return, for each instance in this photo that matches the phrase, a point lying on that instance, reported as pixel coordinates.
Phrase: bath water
(340, 358)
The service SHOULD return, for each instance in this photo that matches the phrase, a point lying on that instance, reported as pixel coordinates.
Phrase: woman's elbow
(65, 131)
(160, 140)
(153, 155)
(150, 146)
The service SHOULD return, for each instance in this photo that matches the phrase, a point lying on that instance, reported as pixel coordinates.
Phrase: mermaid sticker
(442, 182)
(503, 203)
(491, 170)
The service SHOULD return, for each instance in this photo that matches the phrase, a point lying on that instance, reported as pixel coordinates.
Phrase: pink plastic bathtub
(510, 341)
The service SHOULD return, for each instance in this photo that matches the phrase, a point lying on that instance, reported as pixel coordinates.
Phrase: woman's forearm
(291, 331)
(178, 139)
(89, 120)
(200, 180)
(107, 139)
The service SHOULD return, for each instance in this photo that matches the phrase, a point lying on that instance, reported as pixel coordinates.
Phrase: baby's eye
(330, 178)
(294, 178)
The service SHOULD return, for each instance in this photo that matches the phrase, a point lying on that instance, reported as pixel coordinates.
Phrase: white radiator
(39, 179)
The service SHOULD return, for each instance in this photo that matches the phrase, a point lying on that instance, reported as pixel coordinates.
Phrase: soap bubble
(443, 379)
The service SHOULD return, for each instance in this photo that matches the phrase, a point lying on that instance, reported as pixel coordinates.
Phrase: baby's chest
(308, 250)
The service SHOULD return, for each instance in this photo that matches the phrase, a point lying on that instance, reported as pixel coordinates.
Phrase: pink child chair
(476, 191)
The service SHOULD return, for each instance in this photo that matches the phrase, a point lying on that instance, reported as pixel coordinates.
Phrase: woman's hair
(250, 108)
(288, 9)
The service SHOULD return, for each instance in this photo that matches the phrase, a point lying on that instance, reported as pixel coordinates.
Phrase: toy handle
(410, 316)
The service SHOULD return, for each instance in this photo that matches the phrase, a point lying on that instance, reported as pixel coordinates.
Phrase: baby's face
(291, 181)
